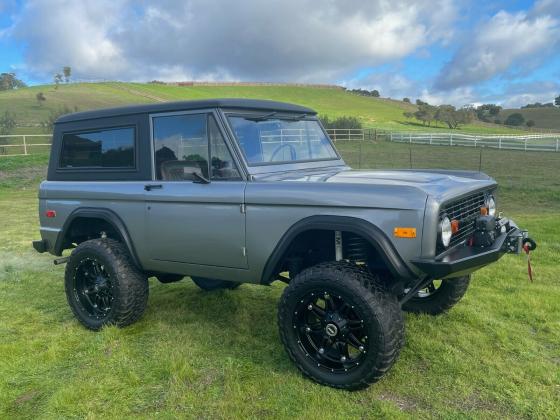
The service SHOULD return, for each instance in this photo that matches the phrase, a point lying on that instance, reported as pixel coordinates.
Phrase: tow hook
(528, 246)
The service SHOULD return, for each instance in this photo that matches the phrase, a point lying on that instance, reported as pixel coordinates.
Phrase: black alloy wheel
(340, 325)
(331, 331)
(93, 289)
(103, 285)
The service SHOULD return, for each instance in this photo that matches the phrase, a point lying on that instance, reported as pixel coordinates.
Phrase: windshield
(274, 140)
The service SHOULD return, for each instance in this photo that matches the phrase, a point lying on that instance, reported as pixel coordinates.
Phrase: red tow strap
(527, 249)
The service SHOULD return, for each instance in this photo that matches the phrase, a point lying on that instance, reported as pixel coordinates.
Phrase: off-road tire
(169, 278)
(129, 286)
(212, 284)
(444, 298)
(382, 318)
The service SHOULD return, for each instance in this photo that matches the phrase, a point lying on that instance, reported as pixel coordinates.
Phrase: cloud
(519, 94)
(283, 40)
(506, 41)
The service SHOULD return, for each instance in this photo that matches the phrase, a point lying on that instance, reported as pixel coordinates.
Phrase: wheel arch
(100, 214)
(371, 233)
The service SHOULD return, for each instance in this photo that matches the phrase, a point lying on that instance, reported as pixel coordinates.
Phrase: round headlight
(445, 231)
(491, 204)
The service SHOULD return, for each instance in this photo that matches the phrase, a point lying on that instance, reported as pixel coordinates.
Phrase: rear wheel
(340, 326)
(439, 296)
(103, 286)
(211, 284)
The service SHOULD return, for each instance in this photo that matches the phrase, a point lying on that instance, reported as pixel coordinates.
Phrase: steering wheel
(282, 146)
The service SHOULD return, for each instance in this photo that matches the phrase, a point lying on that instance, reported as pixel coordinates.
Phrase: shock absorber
(355, 248)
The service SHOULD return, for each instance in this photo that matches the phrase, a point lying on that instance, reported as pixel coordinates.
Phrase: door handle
(152, 187)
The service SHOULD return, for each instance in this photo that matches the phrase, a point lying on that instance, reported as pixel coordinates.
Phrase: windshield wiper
(260, 117)
(295, 117)
(272, 114)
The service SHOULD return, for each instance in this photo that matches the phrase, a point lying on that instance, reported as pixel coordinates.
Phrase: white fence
(530, 142)
(337, 134)
(26, 144)
(23, 144)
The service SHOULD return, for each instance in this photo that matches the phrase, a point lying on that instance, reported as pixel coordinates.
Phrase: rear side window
(112, 148)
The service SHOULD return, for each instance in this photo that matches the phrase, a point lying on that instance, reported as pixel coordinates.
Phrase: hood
(441, 184)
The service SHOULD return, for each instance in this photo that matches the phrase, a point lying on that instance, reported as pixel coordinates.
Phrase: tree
(530, 123)
(453, 117)
(426, 113)
(408, 115)
(9, 81)
(539, 105)
(421, 102)
(57, 80)
(447, 114)
(340, 122)
(557, 101)
(48, 124)
(67, 70)
(40, 98)
(487, 112)
(375, 93)
(7, 123)
(407, 100)
(465, 115)
(514, 119)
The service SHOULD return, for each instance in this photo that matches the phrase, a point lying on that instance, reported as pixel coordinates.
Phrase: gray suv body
(232, 191)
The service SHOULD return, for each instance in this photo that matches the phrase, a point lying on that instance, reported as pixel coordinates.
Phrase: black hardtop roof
(249, 104)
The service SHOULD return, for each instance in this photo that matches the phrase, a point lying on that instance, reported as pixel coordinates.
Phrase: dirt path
(138, 93)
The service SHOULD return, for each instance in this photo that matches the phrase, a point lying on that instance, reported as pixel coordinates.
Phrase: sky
(441, 51)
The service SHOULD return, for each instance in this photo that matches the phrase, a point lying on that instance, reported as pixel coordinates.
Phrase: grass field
(373, 112)
(196, 354)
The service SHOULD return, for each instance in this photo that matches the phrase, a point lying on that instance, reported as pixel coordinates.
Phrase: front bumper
(464, 259)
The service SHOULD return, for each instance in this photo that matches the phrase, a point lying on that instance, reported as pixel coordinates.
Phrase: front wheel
(340, 326)
(439, 296)
(103, 286)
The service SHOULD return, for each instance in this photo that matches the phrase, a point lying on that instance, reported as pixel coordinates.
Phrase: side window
(222, 165)
(180, 146)
(112, 148)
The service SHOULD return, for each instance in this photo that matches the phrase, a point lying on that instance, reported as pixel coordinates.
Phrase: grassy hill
(548, 118)
(373, 112)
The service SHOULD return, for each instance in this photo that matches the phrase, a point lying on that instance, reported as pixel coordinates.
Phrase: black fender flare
(105, 214)
(375, 236)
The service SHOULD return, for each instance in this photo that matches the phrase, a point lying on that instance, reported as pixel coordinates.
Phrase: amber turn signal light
(405, 232)
(484, 211)
(454, 226)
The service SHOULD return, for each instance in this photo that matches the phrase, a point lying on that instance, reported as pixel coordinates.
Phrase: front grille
(465, 210)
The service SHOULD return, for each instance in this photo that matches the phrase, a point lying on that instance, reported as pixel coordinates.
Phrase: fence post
(475, 138)
(556, 144)
(451, 139)
(431, 138)
(410, 138)
(525, 143)
(24, 145)
(500, 143)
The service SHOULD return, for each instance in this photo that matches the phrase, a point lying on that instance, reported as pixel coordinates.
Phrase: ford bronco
(228, 191)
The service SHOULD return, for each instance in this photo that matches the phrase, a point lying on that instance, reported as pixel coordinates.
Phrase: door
(194, 210)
